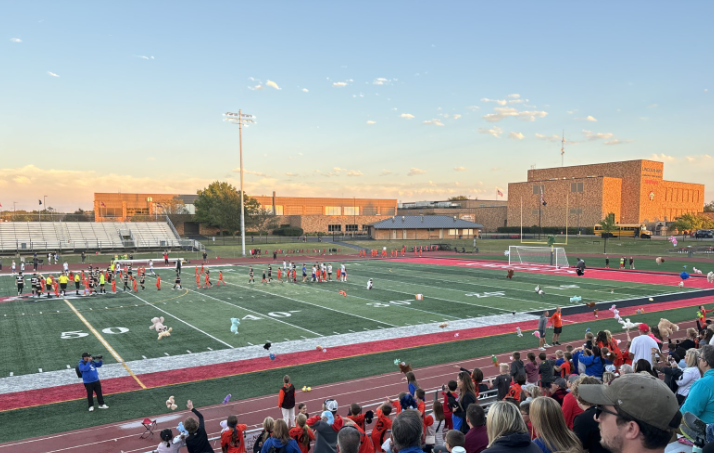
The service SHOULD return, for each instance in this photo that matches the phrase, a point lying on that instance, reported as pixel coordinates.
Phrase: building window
(577, 211)
(351, 228)
(370, 210)
(269, 209)
(110, 212)
(137, 211)
(452, 232)
(333, 228)
(351, 210)
(333, 210)
(538, 189)
(534, 212)
(576, 186)
(365, 227)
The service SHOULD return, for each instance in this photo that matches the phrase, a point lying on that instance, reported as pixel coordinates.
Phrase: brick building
(635, 191)
(324, 215)
(491, 214)
(424, 227)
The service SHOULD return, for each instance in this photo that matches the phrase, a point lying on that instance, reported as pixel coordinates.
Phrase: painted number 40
(489, 294)
(390, 304)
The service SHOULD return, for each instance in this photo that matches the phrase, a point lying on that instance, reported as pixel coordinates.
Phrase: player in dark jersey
(250, 275)
(35, 285)
(142, 280)
(270, 273)
(126, 282)
(177, 282)
(20, 283)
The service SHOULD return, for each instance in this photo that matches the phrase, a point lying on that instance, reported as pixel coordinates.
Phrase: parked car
(704, 234)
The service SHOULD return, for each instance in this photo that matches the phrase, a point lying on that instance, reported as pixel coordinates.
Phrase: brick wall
(321, 223)
(491, 217)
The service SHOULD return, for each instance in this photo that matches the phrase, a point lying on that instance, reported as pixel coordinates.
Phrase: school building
(312, 214)
(582, 195)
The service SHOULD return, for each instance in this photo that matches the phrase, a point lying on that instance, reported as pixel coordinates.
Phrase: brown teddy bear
(666, 327)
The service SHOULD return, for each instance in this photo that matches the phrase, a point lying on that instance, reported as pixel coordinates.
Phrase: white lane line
(181, 320)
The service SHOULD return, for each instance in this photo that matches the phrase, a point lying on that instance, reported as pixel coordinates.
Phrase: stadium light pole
(240, 118)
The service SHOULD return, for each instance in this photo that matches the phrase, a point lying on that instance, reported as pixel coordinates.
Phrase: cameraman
(90, 377)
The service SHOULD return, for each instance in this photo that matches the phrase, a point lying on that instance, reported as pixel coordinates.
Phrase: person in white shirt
(690, 375)
(369, 284)
(641, 347)
(343, 273)
(13, 267)
(65, 267)
(151, 267)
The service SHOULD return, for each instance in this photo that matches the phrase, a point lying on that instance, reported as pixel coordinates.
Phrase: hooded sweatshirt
(326, 434)
(514, 442)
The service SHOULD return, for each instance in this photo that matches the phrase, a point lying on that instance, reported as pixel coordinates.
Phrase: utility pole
(240, 118)
(562, 150)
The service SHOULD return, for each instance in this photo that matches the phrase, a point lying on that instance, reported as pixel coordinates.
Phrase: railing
(168, 220)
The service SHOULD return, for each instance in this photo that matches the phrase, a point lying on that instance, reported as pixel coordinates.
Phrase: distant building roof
(426, 221)
(188, 199)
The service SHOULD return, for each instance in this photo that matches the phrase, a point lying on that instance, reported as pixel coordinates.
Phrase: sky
(412, 100)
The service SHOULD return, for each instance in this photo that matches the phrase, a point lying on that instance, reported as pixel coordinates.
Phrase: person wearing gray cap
(635, 413)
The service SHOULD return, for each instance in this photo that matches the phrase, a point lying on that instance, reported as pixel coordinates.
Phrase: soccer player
(158, 282)
(77, 281)
(20, 283)
(55, 286)
(329, 272)
(339, 274)
(126, 282)
(35, 284)
(264, 280)
(48, 286)
(198, 280)
(280, 275)
(304, 273)
(270, 273)
(102, 282)
(294, 275)
(220, 278)
(133, 284)
(344, 272)
(177, 282)
(151, 267)
(250, 275)
(370, 284)
(207, 284)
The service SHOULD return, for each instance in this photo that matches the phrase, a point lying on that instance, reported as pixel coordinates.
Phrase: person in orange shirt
(114, 285)
(232, 439)
(286, 401)
(207, 283)
(358, 417)
(301, 433)
(158, 282)
(133, 284)
(383, 424)
(220, 278)
(557, 322)
(421, 406)
(198, 281)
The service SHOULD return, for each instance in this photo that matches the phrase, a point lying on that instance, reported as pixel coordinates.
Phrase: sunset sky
(412, 100)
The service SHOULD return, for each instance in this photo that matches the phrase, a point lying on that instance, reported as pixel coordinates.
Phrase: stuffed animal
(681, 284)
(710, 277)
(165, 333)
(536, 334)
(666, 327)
(171, 403)
(659, 260)
(518, 332)
(444, 325)
(595, 312)
(539, 291)
(158, 324)
(575, 299)
(627, 324)
(235, 322)
(181, 429)
(640, 311)
(590, 304)
(509, 275)
(696, 271)
(404, 367)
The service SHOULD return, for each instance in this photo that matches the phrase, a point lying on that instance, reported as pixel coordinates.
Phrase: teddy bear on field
(666, 328)
(158, 325)
(171, 403)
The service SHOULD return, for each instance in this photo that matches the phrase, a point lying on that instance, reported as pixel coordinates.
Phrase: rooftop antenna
(562, 150)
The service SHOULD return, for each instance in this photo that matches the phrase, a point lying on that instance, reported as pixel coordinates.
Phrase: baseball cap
(658, 407)
(86, 354)
(330, 418)
(458, 450)
(644, 327)
(561, 383)
(331, 405)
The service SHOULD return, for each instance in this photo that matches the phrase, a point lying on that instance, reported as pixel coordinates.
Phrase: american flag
(500, 194)
(101, 203)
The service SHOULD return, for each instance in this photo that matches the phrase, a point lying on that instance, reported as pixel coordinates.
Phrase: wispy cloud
(456, 116)
(291, 174)
(495, 131)
(592, 136)
(406, 115)
(272, 84)
(514, 96)
(381, 81)
(516, 136)
(459, 168)
(697, 158)
(587, 118)
(385, 173)
(305, 90)
(353, 173)
(16, 40)
(251, 172)
(256, 87)
(617, 142)
(510, 112)
(652, 106)
(549, 138)
(663, 157)
(433, 122)
(472, 107)
(514, 99)
(415, 171)
(339, 84)
(52, 74)
(371, 122)
(144, 57)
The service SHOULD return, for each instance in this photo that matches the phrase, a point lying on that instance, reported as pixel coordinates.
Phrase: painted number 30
(72, 334)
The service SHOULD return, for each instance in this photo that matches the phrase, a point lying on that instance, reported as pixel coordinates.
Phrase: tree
(218, 205)
(175, 209)
(259, 218)
(80, 215)
(709, 207)
(691, 222)
(608, 226)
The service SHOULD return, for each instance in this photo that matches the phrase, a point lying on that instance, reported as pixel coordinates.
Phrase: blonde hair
(536, 392)
(692, 332)
(268, 425)
(690, 358)
(503, 367)
(607, 377)
(301, 422)
(547, 418)
(504, 418)
(559, 353)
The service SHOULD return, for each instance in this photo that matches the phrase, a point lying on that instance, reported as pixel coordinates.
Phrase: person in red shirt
(358, 417)
(133, 283)
(446, 405)
(557, 322)
(421, 406)
(383, 424)
(158, 282)
(232, 440)
(220, 278)
(207, 284)
(114, 285)
(302, 434)
(571, 409)
(198, 281)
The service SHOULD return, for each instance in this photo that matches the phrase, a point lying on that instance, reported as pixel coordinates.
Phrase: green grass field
(52, 333)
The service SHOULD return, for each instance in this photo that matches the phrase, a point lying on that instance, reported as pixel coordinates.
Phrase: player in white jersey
(343, 273)
(151, 267)
(329, 272)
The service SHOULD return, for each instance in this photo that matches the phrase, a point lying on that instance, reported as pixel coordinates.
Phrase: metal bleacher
(20, 236)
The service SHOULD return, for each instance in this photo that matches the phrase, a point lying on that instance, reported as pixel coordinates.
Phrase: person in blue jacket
(594, 365)
(88, 367)
(280, 439)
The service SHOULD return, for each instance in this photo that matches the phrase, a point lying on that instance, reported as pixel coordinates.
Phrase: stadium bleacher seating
(19, 236)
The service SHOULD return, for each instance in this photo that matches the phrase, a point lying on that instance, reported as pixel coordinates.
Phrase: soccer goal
(546, 256)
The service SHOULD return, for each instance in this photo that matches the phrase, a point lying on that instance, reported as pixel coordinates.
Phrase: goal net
(537, 255)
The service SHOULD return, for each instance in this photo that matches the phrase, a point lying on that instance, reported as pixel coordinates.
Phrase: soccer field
(42, 335)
